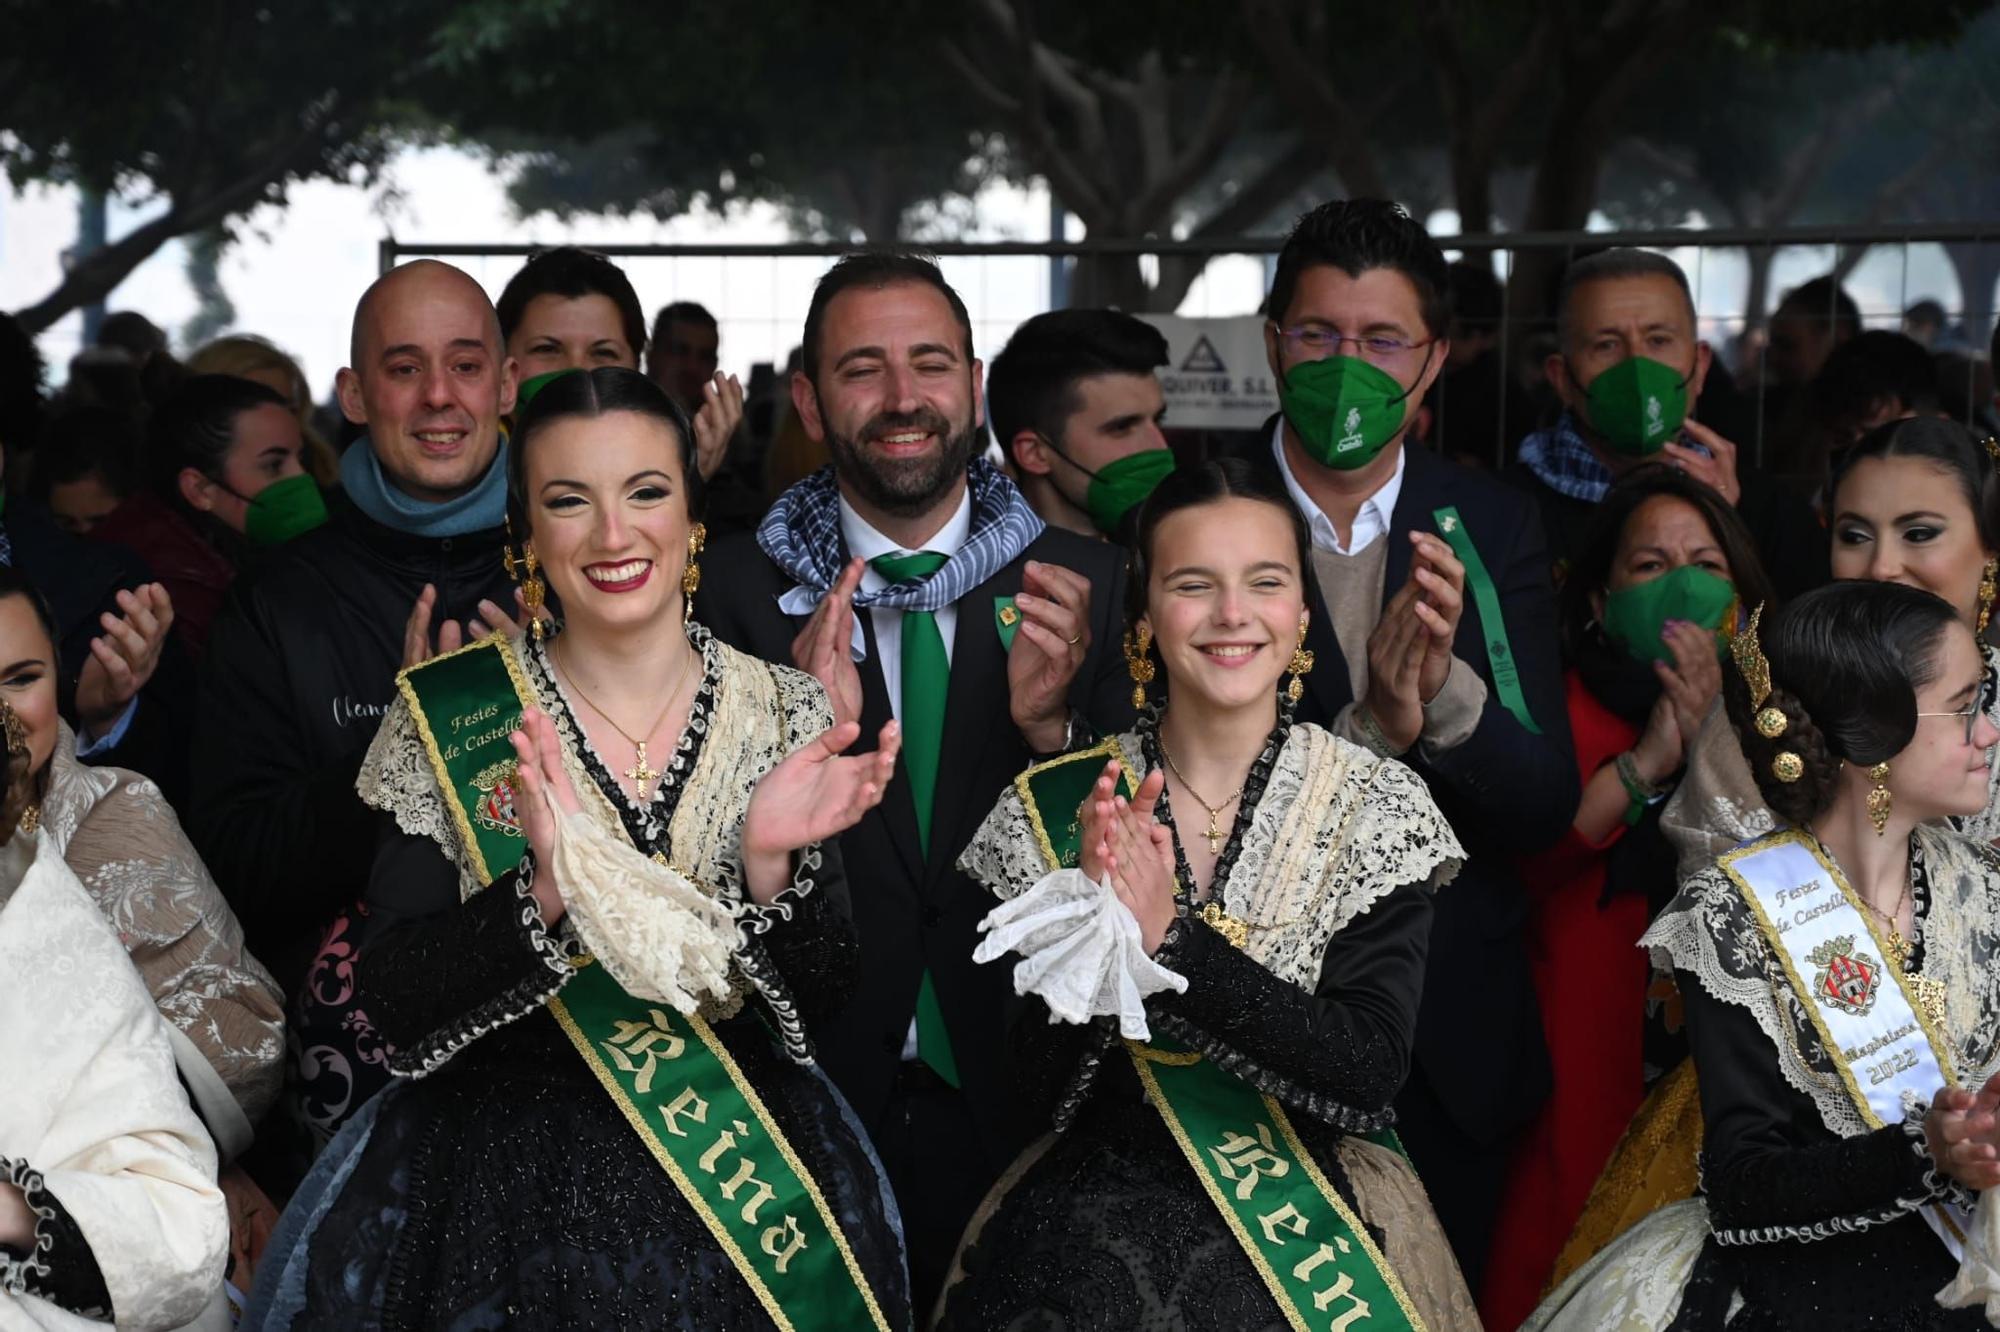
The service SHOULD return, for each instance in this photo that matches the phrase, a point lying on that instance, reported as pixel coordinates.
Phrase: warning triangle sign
(1201, 358)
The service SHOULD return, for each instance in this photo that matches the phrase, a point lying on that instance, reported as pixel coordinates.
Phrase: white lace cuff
(657, 933)
(1080, 952)
(1978, 1279)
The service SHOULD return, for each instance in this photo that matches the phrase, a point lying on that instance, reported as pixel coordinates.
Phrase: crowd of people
(562, 845)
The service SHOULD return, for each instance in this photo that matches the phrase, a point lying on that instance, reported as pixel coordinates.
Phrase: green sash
(1499, 654)
(671, 1078)
(1311, 1250)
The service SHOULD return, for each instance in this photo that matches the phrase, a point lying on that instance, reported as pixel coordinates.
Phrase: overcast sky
(296, 272)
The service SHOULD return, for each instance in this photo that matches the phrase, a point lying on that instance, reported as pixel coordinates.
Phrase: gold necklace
(639, 773)
(1900, 947)
(1214, 830)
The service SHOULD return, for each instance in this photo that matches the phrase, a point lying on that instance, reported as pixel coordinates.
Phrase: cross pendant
(639, 773)
(1214, 835)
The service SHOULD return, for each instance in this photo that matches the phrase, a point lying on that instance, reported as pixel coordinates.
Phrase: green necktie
(926, 677)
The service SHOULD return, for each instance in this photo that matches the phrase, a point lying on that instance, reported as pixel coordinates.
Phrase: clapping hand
(124, 658)
(1694, 679)
(819, 791)
(1962, 1133)
(1439, 580)
(824, 648)
(715, 422)
(1123, 840)
(1050, 643)
(544, 796)
(418, 646)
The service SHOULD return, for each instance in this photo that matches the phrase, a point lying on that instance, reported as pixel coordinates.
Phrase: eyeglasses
(1318, 342)
(1971, 711)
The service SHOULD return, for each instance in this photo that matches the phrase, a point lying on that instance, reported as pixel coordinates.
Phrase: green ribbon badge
(1006, 619)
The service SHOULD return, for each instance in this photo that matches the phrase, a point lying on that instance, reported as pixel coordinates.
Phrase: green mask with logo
(284, 509)
(1637, 405)
(1345, 409)
(1634, 615)
(1121, 485)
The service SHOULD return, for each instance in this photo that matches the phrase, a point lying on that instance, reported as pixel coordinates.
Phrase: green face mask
(1637, 405)
(284, 509)
(1635, 615)
(1344, 409)
(1121, 486)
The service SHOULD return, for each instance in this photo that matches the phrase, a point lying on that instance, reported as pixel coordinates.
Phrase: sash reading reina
(1312, 1251)
(669, 1075)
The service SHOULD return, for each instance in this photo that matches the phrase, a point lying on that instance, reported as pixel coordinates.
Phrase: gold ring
(1074, 641)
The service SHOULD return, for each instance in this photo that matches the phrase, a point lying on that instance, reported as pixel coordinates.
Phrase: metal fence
(759, 293)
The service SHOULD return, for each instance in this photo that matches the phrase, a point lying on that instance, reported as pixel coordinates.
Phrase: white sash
(1850, 985)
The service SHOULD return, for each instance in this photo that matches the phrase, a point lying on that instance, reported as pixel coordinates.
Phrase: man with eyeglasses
(1433, 624)
(1629, 367)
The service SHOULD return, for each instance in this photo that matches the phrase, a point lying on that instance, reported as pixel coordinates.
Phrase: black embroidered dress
(496, 1184)
(1103, 1225)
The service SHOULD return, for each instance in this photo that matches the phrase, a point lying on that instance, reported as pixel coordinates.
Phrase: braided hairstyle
(1846, 663)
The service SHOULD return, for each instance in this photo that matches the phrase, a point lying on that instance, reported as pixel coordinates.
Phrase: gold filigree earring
(525, 570)
(1989, 587)
(691, 572)
(1138, 664)
(1880, 801)
(1302, 661)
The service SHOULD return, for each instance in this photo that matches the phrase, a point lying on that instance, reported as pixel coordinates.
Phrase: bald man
(303, 659)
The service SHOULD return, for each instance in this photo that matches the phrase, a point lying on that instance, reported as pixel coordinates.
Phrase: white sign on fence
(1216, 376)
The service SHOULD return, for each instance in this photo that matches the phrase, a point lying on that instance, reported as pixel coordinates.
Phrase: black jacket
(301, 666)
(81, 581)
(914, 911)
(1505, 790)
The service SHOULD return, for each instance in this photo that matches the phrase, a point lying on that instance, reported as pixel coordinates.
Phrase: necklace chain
(1214, 830)
(640, 773)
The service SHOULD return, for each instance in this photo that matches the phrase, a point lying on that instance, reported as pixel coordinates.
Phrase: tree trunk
(1110, 279)
(1757, 285)
(97, 274)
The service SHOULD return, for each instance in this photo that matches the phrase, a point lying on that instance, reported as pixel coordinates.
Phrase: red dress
(1590, 976)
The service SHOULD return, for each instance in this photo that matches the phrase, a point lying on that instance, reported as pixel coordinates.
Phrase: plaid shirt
(1565, 463)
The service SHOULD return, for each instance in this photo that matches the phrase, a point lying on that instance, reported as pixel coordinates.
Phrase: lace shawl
(748, 715)
(1708, 929)
(124, 843)
(1718, 805)
(1334, 831)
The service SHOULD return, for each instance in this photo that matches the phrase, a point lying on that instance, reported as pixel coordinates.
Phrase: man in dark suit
(913, 580)
(1434, 626)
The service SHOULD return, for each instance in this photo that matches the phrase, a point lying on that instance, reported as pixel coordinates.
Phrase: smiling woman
(570, 309)
(1279, 952)
(623, 908)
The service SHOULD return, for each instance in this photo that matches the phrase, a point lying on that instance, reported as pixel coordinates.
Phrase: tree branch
(1312, 99)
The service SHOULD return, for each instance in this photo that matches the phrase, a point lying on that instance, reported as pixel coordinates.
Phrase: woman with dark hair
(224, 472)
(1223, 918)
(1648, 607)
(608, 911)
(1841, 997)
(1915, 502)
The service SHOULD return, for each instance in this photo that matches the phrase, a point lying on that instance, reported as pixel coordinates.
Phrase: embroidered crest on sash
(1847, 978)
(496, 809)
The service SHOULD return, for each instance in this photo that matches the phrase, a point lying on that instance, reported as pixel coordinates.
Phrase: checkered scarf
(801, 534)
(1560, 457)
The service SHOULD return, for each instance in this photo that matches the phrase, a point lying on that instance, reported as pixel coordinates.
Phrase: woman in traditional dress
(108, 1203)
(608, 927)
(1840, 989)
(1249, 910)
(224, 1013)
(1915, 502)
(1648, 609)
